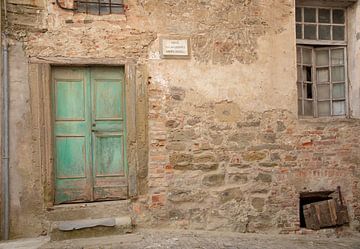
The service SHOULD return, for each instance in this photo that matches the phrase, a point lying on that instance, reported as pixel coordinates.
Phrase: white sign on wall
(174, 48)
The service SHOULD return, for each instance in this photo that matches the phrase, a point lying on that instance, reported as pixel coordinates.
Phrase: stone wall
(226, 148)
(219, 168)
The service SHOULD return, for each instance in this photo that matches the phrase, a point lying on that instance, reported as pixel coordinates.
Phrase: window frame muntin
(317, 41)
(324, 43)
(314, 82)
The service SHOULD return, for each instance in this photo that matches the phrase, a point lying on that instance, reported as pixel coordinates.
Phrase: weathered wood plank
(130, 89)
(311, 219)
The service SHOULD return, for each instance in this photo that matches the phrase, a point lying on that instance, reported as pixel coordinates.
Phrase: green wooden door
(89, 134)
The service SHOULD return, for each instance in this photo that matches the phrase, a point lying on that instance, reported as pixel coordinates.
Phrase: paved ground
(153, 239)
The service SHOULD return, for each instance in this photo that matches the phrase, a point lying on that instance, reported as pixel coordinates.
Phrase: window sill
(322, 120)
(109, 17)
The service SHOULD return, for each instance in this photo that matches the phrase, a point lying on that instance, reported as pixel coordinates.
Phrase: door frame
(39, 77)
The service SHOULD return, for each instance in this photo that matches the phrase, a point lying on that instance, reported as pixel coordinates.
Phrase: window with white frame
(321, 61)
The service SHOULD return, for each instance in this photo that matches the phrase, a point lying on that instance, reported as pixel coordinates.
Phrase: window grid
(99, 7)
(312, 101)
(301, 24)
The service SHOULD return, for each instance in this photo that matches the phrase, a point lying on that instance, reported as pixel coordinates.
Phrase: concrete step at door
(94, 210)
(63, 230)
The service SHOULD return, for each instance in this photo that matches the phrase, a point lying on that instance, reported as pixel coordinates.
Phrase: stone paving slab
(33, 243)
(170, 239)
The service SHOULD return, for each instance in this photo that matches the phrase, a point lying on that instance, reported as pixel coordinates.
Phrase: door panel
(71, 135)
(110, 168)
(70, 157)
(108, 99)
(70, 100)
(109, 155)
(89, 128)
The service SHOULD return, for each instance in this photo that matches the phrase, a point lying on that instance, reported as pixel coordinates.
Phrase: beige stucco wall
(230, 111)
(354, 58)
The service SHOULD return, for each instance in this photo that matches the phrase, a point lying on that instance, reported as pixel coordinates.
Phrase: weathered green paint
(70, 159)
(108, 99)
(107, 157)
(89, 134)
(70, 100)
(108, 121)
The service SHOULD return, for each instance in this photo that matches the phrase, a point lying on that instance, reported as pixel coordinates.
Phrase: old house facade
(259, 106)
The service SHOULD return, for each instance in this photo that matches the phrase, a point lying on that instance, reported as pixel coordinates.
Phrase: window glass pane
(324, 32)
(339, 108)
(299, 79)
(338, 16)
(324, 15)
(105, 9)
(81, 7)
(337, 74)
(307, 74)
(322, 57)
(116, 7)
(310, 31)
(298, 55)
(323, 91)
(322, 75)
(298, 31)
(299, 90)
(308, 91)
(338, 33)
(300, 107)
(309, 15)
(338, 91)
(307, 56)
(93, 8)
(298, 15)
(308, 108)
(324, 108)
(337, 56)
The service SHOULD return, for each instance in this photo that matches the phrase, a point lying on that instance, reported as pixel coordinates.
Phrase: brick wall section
(246, 176)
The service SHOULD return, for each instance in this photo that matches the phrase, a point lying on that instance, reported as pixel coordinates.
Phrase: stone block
(205, 167)
(172, 123)
(248, 124)
(242, 138)
(254, 156)
(264, 177)
(231, 194)
(186, 195)
(177, 93)
(176, 146)
(258, 203)
(271, 147)
(267, 137)
(239, 178)
(274, 156)
(193, 121)
(268, 164)
(217, 139)
(280, 126)
(183, 135)
(180, 160)
(204, 158)
(213, 180)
